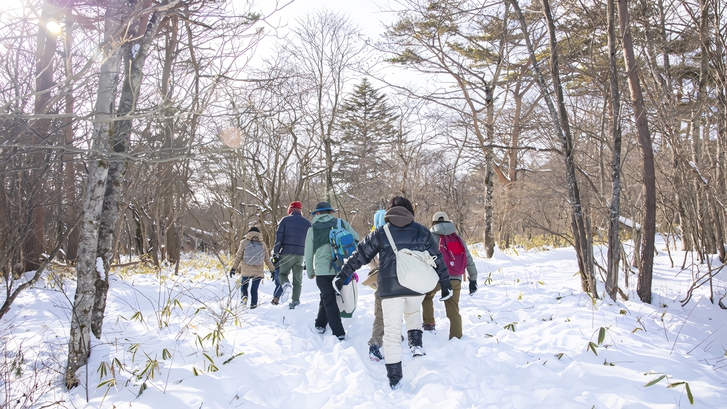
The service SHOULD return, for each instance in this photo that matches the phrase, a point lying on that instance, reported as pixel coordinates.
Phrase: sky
(366, 14)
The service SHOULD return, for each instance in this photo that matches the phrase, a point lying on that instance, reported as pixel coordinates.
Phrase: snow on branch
(628, 222)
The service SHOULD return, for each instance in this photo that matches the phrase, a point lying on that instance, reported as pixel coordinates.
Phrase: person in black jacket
(288, 254)
(397, 300)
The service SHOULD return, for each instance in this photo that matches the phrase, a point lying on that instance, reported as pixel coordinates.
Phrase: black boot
(393, 371)
(415, 342)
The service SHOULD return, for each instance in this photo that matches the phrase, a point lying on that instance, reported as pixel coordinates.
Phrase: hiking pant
(292, 262)
(254, 283)
(394, 309)
(451, 306)
(377, 331)
(328, 312)
(278, 291)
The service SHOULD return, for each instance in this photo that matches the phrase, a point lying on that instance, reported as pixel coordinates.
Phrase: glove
(473, 287)
(274, 259)
(232, 272)
(446, 293)
(341, 281)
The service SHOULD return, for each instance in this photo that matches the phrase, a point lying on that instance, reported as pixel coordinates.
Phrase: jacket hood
(319, 218)
(443, 228)
(252, 234)
(398, 216)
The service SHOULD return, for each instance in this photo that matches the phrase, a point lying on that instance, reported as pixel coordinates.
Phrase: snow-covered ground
(531, 339)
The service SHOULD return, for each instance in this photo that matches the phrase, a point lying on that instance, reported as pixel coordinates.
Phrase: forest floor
(531, 338)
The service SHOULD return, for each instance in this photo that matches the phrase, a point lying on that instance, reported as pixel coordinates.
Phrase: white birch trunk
(86, 270)
(131, 88)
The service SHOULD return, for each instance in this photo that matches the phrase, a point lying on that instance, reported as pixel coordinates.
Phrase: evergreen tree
(368, 123)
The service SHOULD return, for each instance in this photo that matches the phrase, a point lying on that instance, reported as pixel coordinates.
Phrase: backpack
(342, 245)
(454, 253)
(253, 255)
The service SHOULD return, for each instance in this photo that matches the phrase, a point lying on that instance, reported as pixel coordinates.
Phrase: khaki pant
(377, 331)
(394, 309)
(451, 306)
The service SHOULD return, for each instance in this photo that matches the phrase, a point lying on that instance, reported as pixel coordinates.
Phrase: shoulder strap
(339, 222)
(388, 236)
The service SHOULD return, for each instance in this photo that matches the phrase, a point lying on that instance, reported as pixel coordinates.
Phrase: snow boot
(415, 342)
(244, 301)
(394, 373)
(293, 304)
(321, 330)
(275, 301)
(429, 328)
(375, 353)
(286, 293)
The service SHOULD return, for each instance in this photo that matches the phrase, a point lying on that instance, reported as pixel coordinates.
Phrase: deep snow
(526, 343)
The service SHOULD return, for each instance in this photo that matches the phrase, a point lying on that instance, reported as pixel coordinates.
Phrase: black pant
(328, 312)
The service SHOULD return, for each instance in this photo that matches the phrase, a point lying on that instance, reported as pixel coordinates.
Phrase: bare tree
(642, 126)
(444, 40)
(80, 337)
(614, 225)
(326, 49)
(559, 117)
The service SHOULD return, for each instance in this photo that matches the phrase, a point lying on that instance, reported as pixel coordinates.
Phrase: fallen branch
(700, 282)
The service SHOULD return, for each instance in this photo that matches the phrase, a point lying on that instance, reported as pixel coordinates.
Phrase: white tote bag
(414, 269)
(348, 297)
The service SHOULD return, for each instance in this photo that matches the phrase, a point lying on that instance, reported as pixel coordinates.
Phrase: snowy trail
(526, 342)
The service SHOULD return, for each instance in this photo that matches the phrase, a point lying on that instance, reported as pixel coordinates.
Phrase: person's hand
(232, 272)
(446, 293)
(341, 281)
(274, 259)
(473, 287)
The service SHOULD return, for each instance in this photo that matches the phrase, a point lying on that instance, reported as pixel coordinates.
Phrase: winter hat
(322, 207)
(441, 217)
(294, 207)
(254, 229)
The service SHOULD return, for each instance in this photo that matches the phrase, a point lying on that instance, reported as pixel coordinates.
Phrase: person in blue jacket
(288, 254)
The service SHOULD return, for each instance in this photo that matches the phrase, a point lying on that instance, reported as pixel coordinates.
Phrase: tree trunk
(489, 174)
(34, 242)
(88, 268)
(133, 65)
(560, 123)
(643, 287)
(69, 179)
(580, 231)
(170, 179)
(614, 242)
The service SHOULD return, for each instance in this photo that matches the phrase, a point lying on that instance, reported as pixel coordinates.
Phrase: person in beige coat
(251, 259)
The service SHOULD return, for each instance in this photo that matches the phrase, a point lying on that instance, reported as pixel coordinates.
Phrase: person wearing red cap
(288, 253)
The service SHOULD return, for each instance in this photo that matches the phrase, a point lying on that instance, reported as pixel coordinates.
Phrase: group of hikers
(405, 289)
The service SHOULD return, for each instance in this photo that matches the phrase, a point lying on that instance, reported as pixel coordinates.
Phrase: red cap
(294, 206)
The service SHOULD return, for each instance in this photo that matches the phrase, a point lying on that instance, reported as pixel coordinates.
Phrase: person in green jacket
(318, 265)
